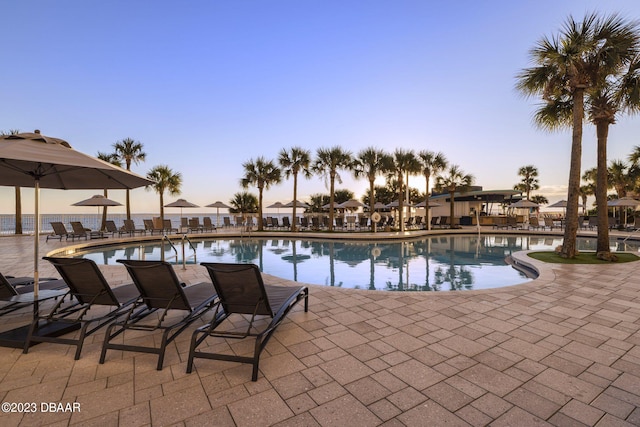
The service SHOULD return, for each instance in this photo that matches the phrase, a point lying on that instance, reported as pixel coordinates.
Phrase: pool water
(437, 263)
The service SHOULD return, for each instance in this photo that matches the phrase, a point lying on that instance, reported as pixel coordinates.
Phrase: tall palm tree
(568, 65)
(296, 160)
(529, 180)
(327, 163)
(114, 160)
(403, 162)
(164, 179)
(431, 164)
(370, 163)
(129, 151)
(262, 173)
(18, 192)
(453, 180)
(619, 177)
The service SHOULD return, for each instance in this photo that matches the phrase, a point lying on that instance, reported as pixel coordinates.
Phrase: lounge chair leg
(27, 342)
(83, 333)
(105, 343)
(163, 347)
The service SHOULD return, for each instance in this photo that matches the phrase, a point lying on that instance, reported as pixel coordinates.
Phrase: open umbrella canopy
(181, 203)
(299, 204)
(431, 204)
(524, 203)
(624, 202)
(27, 158)
(218, 204)
(276, 205)
(561, 204)
(352, 203)
(396, 203)
(97, 200)
(379, 205)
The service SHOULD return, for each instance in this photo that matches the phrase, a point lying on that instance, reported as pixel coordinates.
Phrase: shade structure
(396, 203)
(624, 202)
(561, 204)
(524, 203)
(37, 161)
(97, 200)
(432, 204)
(218, 204)
(181, 203)
(299, 204)
(379, 205)
(352, 203)
(276, 205)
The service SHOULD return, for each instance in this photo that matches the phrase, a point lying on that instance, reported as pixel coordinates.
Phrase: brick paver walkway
(562, 350)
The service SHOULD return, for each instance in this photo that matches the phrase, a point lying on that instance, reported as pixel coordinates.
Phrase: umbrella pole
(36, 232)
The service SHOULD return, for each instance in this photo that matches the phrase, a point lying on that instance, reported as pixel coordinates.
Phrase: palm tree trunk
(18, 210)
(602, 131)
(400, 202)
(451, 208)
(128, 206)
(571, 220)
(427, 212)
(295, 200)
(260, 224)
(103, 226)
(372, 203)
(331, 199)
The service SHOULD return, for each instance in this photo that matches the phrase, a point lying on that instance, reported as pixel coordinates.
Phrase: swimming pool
(436, 263)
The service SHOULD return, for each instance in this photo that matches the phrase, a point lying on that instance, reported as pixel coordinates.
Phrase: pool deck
(561, 350)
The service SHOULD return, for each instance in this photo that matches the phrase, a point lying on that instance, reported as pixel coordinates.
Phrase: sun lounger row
(144, 306)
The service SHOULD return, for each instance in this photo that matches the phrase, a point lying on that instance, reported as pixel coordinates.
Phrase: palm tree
(18, 192)
(296, 160)
(129, 151)
(454, 180)
(328, 162)
(164, 179)
(431, 164)
(403, 162)
(580, 58)
(244, 203)
(370, 163)
(262, 173)
(114, 160)
(529, 180)
(586, 190)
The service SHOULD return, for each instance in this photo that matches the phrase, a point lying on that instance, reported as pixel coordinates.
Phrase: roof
(480, 195)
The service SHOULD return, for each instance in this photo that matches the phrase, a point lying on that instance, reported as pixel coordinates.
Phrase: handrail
(165, 237)
(184, 258)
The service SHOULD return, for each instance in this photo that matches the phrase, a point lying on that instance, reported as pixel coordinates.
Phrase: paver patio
(561, 350)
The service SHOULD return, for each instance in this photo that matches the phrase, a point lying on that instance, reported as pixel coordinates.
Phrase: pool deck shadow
(561, 350)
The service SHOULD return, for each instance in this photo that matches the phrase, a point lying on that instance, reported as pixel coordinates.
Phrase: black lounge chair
(242, 291)
(160, 289)
(59, 231)
(89, 288)
(17, 292)
(80, 230)
(130, 227)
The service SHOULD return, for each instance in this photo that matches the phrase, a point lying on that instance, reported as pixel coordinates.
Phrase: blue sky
(208, 85)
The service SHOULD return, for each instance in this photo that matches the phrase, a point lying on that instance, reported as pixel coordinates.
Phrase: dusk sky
(208, 85)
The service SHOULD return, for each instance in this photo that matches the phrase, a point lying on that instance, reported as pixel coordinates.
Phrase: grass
(582, 258)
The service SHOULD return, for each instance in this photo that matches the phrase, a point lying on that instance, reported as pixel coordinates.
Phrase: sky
(208, 85)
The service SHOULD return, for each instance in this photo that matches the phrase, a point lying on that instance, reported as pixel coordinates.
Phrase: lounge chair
(59, 231)
(194, 225)
(242, 291)
(113, 229)
(130, 227)
(363, 223)
(534, 223)
(207, 224)
(304, 223)
(168, 228)
(286, 224)
(435, 222)
(548, 222)
(17, 292)
(161, 290)
(80, 230)
(226, 221)
(150, 226)
(89, 288)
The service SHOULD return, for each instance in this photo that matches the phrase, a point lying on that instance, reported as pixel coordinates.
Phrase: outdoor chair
(242, 292)
(89, 288)
(304, 223)
(340, 222)
(548, 222)
(285, 223)
(208, 224)
(59, 231)
(130, 227)
(113, 229)
(364, 223)
(150, 226)
(534, 223)
(350, 223)
(168, 228)
(418, 223)
(315, 222)
(17, 292)
(194, 225)
(80, 230)
(435, 222)
(162, 291)
(226, 221)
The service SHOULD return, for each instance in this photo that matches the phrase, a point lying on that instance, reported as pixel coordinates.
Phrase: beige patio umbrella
(352, 203)
(624, 202)
(98, 200)
(37, 161)
(218, 204)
